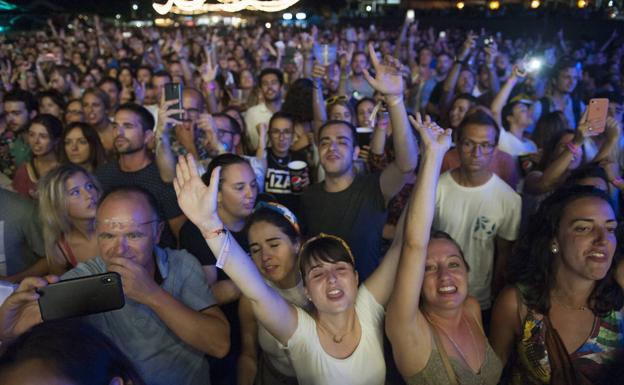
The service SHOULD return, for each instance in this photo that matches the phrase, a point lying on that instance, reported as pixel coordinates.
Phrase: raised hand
(21, 311)
(307, 42)
(388, 79)
(469, 44)
(197, 201)
(434, 138)
(208, 71)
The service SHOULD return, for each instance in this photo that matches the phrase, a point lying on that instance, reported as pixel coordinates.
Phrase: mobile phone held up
(173, 91)
(81, 296)
(597, 115)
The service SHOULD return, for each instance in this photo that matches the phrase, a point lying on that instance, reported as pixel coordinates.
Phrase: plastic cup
(364, 135)
(297, 169)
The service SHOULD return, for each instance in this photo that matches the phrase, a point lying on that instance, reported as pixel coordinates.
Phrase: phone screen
(173, 91)
(597, 115)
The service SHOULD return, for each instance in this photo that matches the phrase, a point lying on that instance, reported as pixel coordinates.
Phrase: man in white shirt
(271, 81)
(477, 208)
(516, 118)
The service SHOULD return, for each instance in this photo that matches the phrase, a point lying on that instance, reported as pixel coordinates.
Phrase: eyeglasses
(469, 146)
(285, 133)
(221, 133)
(336, 99)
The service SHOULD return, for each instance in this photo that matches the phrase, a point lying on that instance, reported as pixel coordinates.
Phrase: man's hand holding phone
(21, 311)
(137, 283)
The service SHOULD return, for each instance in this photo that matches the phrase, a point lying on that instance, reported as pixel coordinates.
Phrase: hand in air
(388, 79)
(197, 201)
(434, 138)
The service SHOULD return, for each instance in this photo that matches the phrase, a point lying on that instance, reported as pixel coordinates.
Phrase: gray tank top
(434, 372)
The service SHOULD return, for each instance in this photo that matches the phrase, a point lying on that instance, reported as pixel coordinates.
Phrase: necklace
(569, 307)
(455, 344)
(337, 339)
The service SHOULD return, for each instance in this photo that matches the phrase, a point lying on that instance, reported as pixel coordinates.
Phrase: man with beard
(563, 81)
(271, 81)
(356, 84)
(19, 108)
(133, 129)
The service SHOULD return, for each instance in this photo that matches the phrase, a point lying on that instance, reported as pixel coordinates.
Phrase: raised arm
(318, 102)
(405, 325)
(448, 88)
(165, 160)
(503, 95)
(552, 175)
(199, 203)
(389, 82)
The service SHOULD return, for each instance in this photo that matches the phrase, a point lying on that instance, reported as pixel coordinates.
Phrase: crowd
(329, 205)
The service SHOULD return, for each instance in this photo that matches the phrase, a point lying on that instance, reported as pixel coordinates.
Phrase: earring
(554, 249)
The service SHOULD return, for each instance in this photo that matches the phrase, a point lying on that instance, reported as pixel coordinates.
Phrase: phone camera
(107, 280)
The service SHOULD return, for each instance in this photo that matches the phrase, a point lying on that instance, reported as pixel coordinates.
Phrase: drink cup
(297, 169)
(364, 135)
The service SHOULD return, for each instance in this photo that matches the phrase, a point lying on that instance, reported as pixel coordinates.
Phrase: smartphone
(173, 91)
(81, 296)
(597, 115)
(442, 35)
(410, 15)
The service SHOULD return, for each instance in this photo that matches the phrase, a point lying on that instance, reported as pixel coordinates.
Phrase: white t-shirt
(254, 116)
(271, 348)
(510, 143)
(365, 366)
(474, 216)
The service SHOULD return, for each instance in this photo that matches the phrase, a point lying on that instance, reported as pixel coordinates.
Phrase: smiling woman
(563, 316)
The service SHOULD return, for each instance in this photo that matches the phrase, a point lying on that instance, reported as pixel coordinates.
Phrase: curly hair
(298, 101)
(531, 268)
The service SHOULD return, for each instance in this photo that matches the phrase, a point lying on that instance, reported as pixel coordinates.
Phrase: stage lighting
(460, 5)
(369, 8)
(494, 5)
(535, 4)
(581, 4)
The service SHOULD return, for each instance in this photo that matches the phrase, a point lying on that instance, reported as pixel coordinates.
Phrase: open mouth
(335, 294)
(447, 290)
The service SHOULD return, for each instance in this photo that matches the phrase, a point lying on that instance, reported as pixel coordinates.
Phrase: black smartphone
(81, 296)
(173, 91)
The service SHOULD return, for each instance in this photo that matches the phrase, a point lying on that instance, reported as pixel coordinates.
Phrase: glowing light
(535, 4)
(200, 6)
(287, 16)
(135, 7)
(117, 16)
(267, 25)
(581, 4)
(494, 5)
(369, 8)
(301, 16)
(610, 4)
(460, 5)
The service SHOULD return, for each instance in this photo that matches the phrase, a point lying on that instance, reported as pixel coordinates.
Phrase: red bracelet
(214, 233)
(574, 149)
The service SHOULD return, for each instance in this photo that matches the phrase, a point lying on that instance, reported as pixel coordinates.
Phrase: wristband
(224, 252)
(617, 181)
(574, 149)
(392, 103)
(214, 233)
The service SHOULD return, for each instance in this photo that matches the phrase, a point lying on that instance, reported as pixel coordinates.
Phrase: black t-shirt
(277, 179)
(356, 214)
(192, 240)
(148, 178)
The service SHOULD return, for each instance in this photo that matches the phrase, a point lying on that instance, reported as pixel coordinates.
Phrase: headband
(281, 210)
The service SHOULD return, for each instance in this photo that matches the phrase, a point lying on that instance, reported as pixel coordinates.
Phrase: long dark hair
(97, 154)
(532, 269)
(73, 349)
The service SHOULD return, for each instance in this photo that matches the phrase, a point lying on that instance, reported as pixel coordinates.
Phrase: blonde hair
(53, 210)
